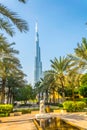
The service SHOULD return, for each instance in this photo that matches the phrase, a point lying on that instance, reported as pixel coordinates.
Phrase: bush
(5, 109)
(80, 105)
(3, 114)
(23, 105)
(24, 111)
(60, 105)
(71, 106)
(34, 109)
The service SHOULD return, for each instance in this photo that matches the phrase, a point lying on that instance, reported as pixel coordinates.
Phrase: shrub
(60, 105)
(24, 111)
(34, 109)
(71, 106)
(3, 114)
(5, 109)
(80, 105)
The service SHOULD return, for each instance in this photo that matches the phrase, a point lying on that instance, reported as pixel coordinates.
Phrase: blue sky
(61, 26)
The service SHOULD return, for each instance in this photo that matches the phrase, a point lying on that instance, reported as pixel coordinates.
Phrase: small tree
(24, 93)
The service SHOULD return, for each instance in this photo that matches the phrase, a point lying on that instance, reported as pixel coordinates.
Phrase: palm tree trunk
(3, 91)
(39, 97)
(63, 93)
(47, 96)
(53, 96)
(42, 95)
(9, 95)
(73, 96)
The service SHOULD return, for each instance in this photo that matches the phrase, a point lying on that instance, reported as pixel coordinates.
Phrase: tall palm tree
(8, 63)
(59, 70)
(38, 90)
(50, 84)
(14, 81)
(73, 80)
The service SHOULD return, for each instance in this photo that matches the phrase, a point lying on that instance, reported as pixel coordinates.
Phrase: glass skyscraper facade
(38, 63)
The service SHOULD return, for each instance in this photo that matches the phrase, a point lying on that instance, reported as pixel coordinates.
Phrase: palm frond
(18, 22)
(5, 25)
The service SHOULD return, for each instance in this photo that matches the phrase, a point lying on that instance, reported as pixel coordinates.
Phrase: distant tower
(38, 63)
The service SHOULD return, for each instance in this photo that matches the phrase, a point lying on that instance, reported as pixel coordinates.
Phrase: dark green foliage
(84, 100)
(24, 94)
(5, 109)
(83, 91)
(60, 105)
(34, 109)
(68, 92)
(25, 105)
(24, 111)
(71, 106)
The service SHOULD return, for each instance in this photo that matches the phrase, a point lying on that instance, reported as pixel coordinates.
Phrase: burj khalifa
(38, 63)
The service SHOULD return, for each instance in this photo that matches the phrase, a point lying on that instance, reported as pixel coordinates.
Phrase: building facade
(38, 63)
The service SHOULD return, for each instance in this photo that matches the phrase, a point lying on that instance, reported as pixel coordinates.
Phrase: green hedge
(71, 106)
(5, 109)
(24, 111)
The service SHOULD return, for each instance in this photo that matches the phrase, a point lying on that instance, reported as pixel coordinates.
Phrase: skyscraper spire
(38, 63)
(36, 27)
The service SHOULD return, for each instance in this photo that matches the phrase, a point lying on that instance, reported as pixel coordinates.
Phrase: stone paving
(24, 122)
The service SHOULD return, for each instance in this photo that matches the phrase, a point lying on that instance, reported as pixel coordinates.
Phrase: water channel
(55, 124)
(46, 122)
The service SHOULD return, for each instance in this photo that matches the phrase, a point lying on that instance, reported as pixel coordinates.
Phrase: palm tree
(73, 80)
(79, 61)
(41, 88)
(81, 50)
(59, 70)
(8, 63)
(14, 81)
(9, 18)
(50, 85)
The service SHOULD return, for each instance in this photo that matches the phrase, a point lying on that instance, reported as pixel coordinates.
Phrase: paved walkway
(24, 122)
